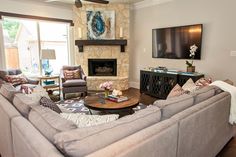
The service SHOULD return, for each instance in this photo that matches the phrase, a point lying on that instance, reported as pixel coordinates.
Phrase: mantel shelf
(81, 43)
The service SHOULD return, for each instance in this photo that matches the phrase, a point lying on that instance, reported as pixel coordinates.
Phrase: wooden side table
(56, 86)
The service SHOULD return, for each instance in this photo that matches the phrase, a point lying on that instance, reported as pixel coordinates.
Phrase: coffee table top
(98, 103)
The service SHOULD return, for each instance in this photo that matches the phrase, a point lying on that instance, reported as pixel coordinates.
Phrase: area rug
(77, 106)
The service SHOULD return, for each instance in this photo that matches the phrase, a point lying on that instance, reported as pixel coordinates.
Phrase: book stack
(117, 98)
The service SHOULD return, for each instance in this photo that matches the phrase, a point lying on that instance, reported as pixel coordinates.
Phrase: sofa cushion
(49, 122)
(203, 94)
(174, 105)
(23, 104)
(83, 141)
(76, 82)
(8, 91)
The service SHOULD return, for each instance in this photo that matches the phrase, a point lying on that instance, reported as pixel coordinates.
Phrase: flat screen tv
(175, 42)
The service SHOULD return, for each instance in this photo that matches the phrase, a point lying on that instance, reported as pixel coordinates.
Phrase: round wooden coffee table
(100, 104)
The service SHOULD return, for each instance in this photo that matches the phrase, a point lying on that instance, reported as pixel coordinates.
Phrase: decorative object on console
(101, 24)
(106, 86)
(48, 54)
(193, 50)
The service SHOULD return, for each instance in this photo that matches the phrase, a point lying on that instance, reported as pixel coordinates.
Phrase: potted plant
(190, 67)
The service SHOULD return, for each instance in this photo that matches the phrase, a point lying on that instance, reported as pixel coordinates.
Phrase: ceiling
(72, 1)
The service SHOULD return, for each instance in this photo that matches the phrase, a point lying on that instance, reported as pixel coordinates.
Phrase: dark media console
(159, 84)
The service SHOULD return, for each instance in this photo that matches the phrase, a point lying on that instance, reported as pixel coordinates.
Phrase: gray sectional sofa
(187, 126)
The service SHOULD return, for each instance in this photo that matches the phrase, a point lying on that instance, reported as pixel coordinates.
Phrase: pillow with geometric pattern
(72, 74)
(49, 104)
(202, 82)
(16, 79)
(176, 91)
(190, 86)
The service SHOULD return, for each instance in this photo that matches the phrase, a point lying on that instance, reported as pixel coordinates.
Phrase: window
(24, 40)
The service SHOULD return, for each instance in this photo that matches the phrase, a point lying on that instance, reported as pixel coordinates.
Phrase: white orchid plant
(193, 50)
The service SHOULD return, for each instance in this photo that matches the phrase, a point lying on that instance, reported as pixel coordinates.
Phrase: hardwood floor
(228, 151)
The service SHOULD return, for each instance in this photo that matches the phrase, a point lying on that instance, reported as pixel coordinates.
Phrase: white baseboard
(134, 85)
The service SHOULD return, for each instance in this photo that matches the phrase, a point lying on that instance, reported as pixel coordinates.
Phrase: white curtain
(2, 53)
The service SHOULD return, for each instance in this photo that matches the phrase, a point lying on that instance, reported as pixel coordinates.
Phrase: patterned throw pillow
(26, 89)
(72, 74)
(50, 104)
(176, 91)
(202, 82)
(190, 86)
(82, 120)
(16, 79)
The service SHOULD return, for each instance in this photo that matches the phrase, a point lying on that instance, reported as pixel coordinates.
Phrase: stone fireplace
(115, 71)
(102, 67)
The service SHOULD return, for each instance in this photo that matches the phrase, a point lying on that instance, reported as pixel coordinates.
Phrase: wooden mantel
(82, 43)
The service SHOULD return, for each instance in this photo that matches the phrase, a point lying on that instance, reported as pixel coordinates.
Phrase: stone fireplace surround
(122, 14)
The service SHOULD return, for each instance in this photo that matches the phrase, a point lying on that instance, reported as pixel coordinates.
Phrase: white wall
(36, 8)
(219, 35)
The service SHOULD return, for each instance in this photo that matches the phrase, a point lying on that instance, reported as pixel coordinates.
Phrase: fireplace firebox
(102, 67)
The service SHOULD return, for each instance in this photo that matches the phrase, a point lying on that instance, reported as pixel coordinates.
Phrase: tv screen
(175, 42)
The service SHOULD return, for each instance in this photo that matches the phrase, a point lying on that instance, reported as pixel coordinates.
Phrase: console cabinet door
(145, 80)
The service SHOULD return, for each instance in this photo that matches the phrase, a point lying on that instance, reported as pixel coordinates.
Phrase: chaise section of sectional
(7, 113)
(204, 128)
(158, 140)
(83, 141)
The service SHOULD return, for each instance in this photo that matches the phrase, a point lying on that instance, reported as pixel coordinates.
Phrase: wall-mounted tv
(175, 42)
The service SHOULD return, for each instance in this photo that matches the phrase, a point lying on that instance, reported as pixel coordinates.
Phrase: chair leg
(64, 96)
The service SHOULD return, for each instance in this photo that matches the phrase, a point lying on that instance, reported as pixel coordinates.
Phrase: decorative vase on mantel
(191, 69)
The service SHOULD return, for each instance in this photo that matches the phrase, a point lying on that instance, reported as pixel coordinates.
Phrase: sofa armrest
(28, 141)
(33, 81)
(84, 77)
(2, 82)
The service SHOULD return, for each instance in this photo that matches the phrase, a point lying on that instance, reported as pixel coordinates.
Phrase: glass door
(21, 45)
(54, 36)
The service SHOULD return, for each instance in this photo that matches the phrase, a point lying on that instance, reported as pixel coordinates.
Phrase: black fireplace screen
(102, 67)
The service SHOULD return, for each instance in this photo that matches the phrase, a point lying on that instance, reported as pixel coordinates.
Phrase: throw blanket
(232, 90)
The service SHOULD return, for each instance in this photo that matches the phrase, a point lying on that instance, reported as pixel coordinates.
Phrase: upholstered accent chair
(74, 85)
(3, 74)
